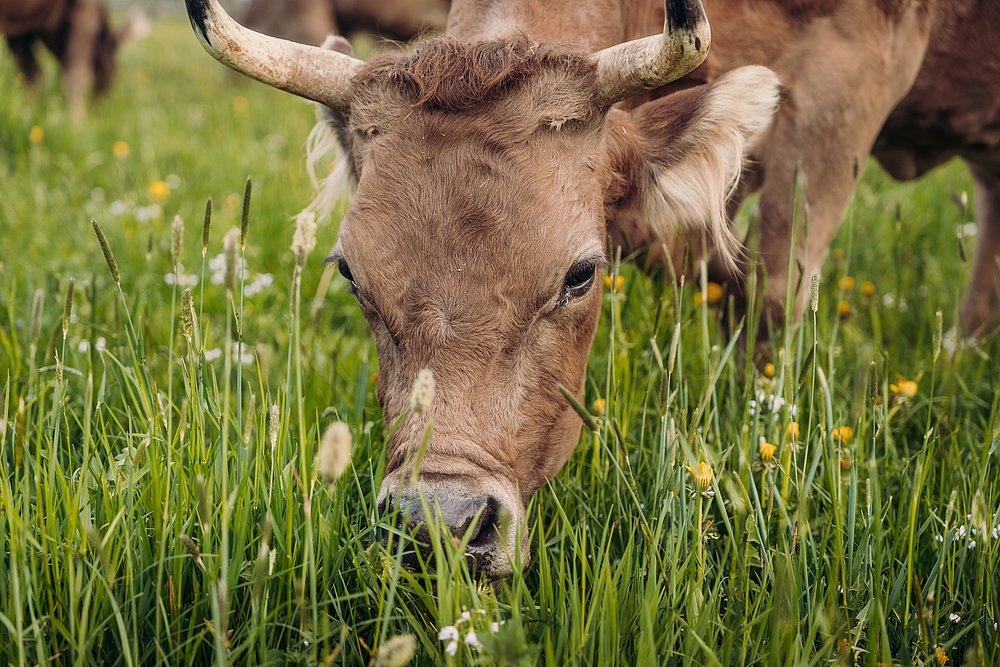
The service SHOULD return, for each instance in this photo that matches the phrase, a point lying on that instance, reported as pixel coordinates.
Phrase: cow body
(913, 82)
(77, 32)
(310, 21)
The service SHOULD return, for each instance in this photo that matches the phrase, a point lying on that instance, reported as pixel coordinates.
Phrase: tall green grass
(151, 514)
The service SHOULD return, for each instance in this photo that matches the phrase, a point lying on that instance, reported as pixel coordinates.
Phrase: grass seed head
(177, 247)
(304, 239)
(206, 228)
(68, 307)
(231, 244)
(203, 512)
(422, 394)
(274, 425)
(334, 452)
(109, 258)
(396, 651)
(37, 305)
(245, 218)
(814, 292)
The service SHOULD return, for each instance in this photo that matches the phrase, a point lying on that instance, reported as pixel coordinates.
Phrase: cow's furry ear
(329, 144)
(679, 158)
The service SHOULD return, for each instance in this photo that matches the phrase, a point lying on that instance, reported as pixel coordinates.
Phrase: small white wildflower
(448, 633)
(260, 283)
(334, 452)
(83, 346)
(961, 531)
(100, 344)
(939, 538)
(422, 396)
(954, 618)
(972, 544)
(452, 647)
(173, 180)
(213, 354)
(118, 208)
(996, 533)
(466, 616)
(242, 354)
(304, 239)
(181, 279)
(472, 639)
(494, 627)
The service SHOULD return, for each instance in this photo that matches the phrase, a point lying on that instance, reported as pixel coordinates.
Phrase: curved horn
(308, 71)
(643, 64)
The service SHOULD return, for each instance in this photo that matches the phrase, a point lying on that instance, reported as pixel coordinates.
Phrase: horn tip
(684, 15)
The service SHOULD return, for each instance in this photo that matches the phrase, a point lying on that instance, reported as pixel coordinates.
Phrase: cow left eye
(578, 282)
(345, 271)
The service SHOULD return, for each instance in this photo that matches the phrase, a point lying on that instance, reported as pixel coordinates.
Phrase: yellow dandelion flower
(845, 463)
(843, 309)
(843, 434)
(769, 370)
(617, 285)
(120, 149)
(36, 134)
(713, 294)
(846, 283)
(940, 656)
(766, 450)
(702, 475)
(868, 289)
(240, 104)
(159, 190)
(792, 431)
(600, 405)
(903, 388)
(844, 647)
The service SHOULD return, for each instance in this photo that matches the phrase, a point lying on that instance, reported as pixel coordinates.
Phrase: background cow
(310, 21)
(913, 82)
(79, 35)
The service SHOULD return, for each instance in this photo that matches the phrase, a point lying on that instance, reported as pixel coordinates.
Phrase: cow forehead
(522, 84)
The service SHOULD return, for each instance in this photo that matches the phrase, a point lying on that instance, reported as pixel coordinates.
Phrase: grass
(150, 514)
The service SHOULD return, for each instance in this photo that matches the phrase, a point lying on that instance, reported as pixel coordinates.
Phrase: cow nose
(474, 518)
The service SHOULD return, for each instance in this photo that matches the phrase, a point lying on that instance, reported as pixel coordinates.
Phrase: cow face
(487, 177)
(475, 245)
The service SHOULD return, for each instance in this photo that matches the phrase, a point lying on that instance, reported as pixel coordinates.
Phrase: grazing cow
(310, 21)
(488, 167)
(77, 32)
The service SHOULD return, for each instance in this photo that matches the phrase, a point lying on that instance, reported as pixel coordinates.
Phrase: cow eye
(578, 282)
(345, 271)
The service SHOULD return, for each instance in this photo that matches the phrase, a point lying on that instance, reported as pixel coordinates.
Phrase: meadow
(160, 501)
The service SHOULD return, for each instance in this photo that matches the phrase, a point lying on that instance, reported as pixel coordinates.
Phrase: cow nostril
(485, 530)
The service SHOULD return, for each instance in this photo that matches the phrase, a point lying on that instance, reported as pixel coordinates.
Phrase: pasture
(160, 502)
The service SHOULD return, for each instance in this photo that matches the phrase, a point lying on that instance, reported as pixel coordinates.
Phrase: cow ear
(678, 159)
(329, 149)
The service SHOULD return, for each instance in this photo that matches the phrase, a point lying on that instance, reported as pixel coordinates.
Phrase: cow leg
(78, 59)
(981, 303)
(22, 48)
(834, 108)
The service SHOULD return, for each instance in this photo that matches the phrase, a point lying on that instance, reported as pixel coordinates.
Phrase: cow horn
(308, 71)
(643, 64)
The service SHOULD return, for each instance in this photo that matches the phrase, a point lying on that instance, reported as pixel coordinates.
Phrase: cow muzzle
(486, 521)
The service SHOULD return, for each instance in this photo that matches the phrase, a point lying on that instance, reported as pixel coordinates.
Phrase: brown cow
(77, 32)
(310, 21)
(489, 166)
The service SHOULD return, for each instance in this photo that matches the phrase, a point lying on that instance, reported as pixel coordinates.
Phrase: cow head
(485, 179)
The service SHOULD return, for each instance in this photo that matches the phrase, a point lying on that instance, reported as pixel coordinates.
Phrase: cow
(488, 166)
(310, 21)
(79, 35)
